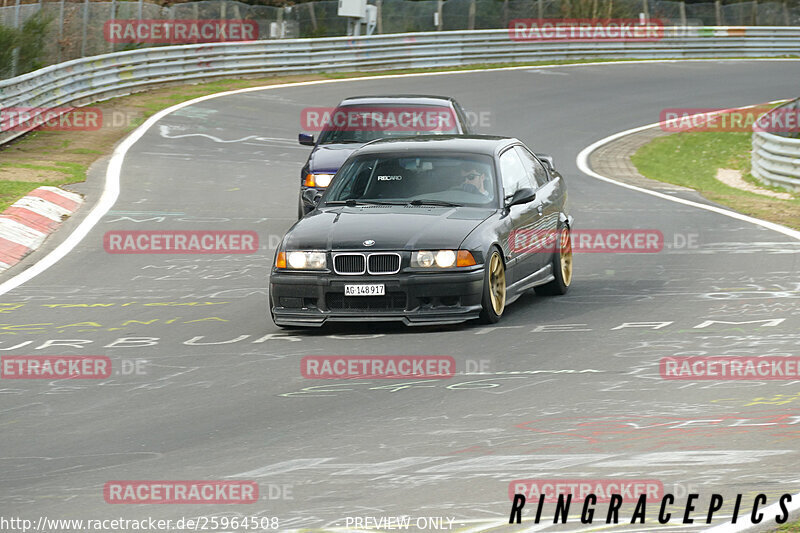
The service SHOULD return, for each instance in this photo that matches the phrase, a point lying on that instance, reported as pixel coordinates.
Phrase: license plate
(372, 289)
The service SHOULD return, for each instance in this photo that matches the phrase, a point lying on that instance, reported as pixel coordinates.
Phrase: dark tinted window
(536, 171)
(364, 123)
(464, 179)
(513, 172)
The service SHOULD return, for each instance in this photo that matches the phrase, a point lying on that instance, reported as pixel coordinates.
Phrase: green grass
(691, 159)
(84, 151)
(790, 528)
(11, 191)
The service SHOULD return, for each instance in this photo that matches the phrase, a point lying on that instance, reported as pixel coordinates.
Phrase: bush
(31, 43)
(8, 41)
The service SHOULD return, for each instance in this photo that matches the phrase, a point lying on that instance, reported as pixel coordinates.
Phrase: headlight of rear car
(318, 180)
(296, 260)
(442, 259)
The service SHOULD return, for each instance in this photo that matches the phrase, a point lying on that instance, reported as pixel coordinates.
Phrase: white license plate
(372, 289)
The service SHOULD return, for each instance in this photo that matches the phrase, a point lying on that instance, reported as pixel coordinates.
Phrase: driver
(474, 176)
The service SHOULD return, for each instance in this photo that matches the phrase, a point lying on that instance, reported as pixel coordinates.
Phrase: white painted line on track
(111, 187)
(583, 165)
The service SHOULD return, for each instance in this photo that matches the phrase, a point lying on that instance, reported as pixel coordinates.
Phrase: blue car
(359, 120)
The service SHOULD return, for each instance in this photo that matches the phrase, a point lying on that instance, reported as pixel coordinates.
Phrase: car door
(544, 203)
(521, 220)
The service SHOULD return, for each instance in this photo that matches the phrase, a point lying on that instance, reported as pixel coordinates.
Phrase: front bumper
(311, 299)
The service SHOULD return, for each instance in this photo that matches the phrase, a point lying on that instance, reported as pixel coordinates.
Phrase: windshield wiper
(354, 203)
(434, 202)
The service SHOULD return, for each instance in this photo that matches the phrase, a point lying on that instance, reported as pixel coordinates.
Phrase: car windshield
(447, 179)
(364, 123)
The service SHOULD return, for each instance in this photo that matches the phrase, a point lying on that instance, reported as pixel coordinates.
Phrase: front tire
(562, 267)
(494, 288)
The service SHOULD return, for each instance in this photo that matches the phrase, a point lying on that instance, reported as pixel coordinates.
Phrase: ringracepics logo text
(585, 30)
(690, 513)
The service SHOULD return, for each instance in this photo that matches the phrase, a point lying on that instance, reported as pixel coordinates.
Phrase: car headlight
(297, 260)
(318, 180)
(442, 258)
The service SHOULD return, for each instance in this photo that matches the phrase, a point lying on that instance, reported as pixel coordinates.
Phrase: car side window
(513, 172)
(536, 171)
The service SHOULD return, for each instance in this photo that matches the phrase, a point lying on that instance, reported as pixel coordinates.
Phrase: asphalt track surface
(221, 395)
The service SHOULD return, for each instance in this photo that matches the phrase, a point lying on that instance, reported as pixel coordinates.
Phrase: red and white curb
(27, 222)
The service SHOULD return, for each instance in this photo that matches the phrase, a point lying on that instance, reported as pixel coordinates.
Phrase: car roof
(399, 99)
(477, 144)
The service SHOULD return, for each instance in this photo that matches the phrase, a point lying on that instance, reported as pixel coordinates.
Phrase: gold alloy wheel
(497, 284)
(566, 257)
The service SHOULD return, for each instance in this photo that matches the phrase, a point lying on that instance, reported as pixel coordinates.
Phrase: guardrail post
(682, 9)
(786, 20)
(60, 27)
(15, 52)
(645, 10)
(85, 27)
(141, 8)
(540, 8)
(439, 21)
(379, 5)
(718, 12)
(471, 16)
(312, 15)
(113, 16)
(222, 9)
(505, 13)
(754, 17)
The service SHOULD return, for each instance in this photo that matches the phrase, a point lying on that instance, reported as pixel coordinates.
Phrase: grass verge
(691, 159)
(62, 157)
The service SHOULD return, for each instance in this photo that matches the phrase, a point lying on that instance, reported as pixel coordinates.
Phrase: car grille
(352, 264)
(391, 301)
(383, 263)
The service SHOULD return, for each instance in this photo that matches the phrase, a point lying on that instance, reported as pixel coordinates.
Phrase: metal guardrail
(775, 158)
(82, 81)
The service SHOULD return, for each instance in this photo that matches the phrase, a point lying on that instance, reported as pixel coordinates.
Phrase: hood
(329, 157)
(391, 227)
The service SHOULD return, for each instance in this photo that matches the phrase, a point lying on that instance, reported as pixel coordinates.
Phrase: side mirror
(311, 197)
(548, 161)
(522, 196)
(305, 139)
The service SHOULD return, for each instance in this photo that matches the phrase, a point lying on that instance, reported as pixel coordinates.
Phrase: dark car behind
(339, 139)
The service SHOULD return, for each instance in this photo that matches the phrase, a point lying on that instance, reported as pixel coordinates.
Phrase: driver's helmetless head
(473, 173)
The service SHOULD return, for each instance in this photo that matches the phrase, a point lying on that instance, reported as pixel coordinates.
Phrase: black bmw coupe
(426, 230)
